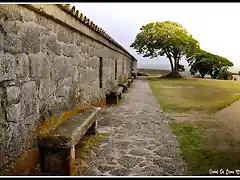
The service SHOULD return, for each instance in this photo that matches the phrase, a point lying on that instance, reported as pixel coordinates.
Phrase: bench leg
(112, 100)
(125, 89)
(59, 161)
(93, 130)
(120, 96)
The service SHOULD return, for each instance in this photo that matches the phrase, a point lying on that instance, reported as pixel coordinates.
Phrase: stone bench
(57, 148)
(129, 82)
(124, 85)
(131, 79)
(113, 96)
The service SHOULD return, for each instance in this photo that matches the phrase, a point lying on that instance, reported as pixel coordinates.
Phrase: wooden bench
(57, 148)
(124, 85)
(113, 96)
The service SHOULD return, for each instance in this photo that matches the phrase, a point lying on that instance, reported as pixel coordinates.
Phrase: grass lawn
(205, 142)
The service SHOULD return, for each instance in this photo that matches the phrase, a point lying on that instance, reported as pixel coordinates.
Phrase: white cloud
(214, 25)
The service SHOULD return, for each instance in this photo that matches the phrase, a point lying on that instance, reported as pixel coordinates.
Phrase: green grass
(199, 156)
(194, 94)
(200, 140)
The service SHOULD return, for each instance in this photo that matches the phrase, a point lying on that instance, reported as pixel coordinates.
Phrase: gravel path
(140, 141)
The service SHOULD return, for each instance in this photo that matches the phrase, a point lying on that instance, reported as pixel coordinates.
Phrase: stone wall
(49, 62)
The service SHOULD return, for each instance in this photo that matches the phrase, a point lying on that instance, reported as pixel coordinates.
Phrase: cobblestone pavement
(140, 141)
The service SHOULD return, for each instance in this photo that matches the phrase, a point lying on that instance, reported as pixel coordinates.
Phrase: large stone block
(96, 45)
(2, 106)
(76, 61)
(44, 22)
(96, 62)
(69, 50)
(46, 67)
(11, 146)
(89, 42)
(84, 48)
(19, 138)
(66, 49)
(21, 37)
(65, 35)
(91, 51)
(65, 81)
(13, 94)
(63, 87)
(60, 68)
(27, 15)
(7, 67)
(10, 12)
(82, 62)
(46, 89)
(13, 27)
(49, 42)
(73, 51)
(63, 91)
(1, 41)
(22, 66)
(14, 113)
(13, 43)
(36, 65)
(79, 39)
(75, 74)
(31, 39)
(29, 99)
(40, 66)
(5, 139)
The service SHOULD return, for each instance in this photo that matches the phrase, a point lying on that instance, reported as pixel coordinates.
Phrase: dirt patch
(171, 87)
(230, 115)
(230, 119)
(188, 117)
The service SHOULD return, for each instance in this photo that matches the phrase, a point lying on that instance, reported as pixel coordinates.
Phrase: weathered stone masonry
(49, 62)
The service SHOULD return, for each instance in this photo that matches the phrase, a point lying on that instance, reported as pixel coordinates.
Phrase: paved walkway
(141, 142)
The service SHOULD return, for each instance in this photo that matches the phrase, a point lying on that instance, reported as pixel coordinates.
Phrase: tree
(208, 64)
(239, 73)
(168, 39)
(225, 74)
(202, 67)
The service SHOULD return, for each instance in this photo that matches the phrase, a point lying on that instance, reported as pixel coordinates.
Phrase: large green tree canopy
(168, 39)
(206, 63)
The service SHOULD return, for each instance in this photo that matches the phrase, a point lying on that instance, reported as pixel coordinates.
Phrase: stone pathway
(140, 141)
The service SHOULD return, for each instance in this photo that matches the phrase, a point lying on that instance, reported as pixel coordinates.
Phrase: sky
(215, 25)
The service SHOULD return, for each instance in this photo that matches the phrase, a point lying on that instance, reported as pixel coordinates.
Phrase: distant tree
(239, 73)
(225, 74)
(168, 39)
(206, 63)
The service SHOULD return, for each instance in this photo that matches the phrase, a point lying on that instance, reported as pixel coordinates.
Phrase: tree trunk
(175, 72)
(176, 65)
(171, 63)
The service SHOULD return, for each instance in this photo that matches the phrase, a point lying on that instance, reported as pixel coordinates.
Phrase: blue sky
(215, 25)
